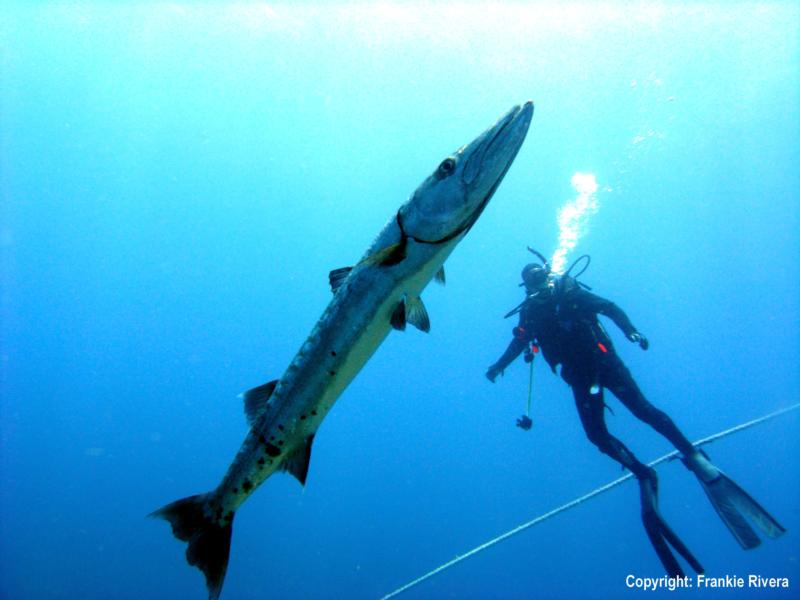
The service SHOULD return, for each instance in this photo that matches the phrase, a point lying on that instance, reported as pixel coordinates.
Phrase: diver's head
(535, 277)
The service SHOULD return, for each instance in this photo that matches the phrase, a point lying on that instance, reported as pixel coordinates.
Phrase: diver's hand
(638, 338)
(493, 372)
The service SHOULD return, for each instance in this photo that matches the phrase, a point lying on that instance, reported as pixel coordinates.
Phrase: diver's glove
(493, 372)
(638, 338)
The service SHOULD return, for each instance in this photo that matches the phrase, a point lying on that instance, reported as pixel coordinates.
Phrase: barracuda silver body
(381, 292)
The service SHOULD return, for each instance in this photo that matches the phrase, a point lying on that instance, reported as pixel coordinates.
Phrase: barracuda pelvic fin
(411, 310)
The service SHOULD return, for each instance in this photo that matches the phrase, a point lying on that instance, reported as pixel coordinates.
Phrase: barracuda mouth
(474, 162)
(518, 119)
(487, 161)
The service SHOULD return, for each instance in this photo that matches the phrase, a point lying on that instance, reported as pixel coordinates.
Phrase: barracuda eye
(447, 168)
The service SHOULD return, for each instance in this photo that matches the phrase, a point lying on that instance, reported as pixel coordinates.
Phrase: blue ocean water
(177, 181)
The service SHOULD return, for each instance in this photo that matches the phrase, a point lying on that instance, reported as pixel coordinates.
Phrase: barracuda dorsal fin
(439, 277)
(297, 462)
(337, 276)
(410, 310)
(255, 401)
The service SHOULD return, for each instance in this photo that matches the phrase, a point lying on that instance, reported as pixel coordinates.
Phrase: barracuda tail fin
(209, 541)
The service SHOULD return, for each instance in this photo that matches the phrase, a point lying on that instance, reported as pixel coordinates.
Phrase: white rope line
(602, 489)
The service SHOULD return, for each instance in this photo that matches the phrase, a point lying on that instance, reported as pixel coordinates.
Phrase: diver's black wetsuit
(562, 320)
(563, 323)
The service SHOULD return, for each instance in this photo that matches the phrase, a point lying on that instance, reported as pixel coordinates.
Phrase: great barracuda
(381, 292)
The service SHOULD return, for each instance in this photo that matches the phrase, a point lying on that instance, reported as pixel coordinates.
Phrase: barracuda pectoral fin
(337, 276)
(439, 277)
(410, 310)
(297, 462)
(389, 256)
(255, 401)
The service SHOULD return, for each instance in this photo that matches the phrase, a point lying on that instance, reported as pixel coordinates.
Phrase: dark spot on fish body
(262, 439)
(302, 417)
(272, 438)
(280, 442)
(236, 490)
(333, 353)
(247, 485)
(261, 461)
(272, 450)
(280, 427)
(313, 412)
(331, 373)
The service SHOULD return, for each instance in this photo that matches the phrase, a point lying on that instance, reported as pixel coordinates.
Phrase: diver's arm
(515, 348)
(616, 314)
(621, 320)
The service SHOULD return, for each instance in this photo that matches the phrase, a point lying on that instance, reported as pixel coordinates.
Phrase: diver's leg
(590, 409)
(617, 378)
(730, 501)
(660, 533)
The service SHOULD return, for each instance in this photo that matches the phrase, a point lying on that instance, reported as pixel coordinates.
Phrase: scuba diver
(559, 315)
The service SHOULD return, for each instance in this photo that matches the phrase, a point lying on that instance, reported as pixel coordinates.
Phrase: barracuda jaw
(451, 199)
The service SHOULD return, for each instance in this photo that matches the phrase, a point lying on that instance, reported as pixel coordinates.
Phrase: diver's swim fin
(732, 503)
(660, 533)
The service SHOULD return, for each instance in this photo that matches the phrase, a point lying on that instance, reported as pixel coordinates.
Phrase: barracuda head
(449, 201)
